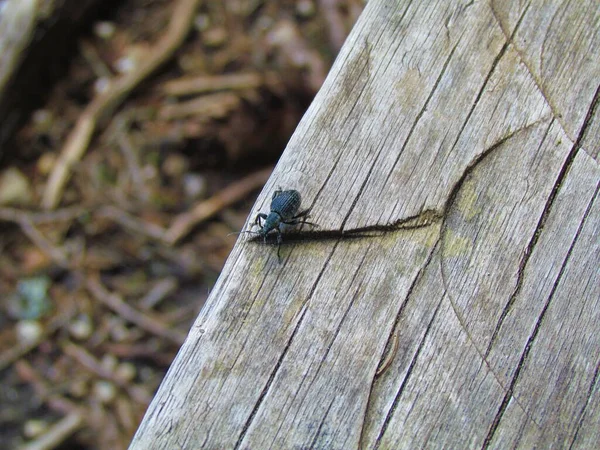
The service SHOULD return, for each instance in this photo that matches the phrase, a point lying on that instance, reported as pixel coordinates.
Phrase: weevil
(284, 210)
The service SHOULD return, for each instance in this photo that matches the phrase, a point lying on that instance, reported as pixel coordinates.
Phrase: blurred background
(111, 238)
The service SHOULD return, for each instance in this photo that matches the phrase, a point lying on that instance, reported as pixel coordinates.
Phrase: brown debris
(159, 169)
(208, 208)
(211, 83)
(105, 103)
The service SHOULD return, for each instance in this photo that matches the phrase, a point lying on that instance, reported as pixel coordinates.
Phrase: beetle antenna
(243, 231)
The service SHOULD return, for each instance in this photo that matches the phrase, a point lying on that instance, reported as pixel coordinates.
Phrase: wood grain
(459, 230)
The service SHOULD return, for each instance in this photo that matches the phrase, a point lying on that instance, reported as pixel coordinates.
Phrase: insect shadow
(284, 214)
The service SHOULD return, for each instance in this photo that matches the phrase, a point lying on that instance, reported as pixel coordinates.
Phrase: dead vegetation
(116, 212)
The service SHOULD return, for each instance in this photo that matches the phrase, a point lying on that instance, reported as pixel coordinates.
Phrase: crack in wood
(409, 371)
(526, 255)
(362, 188)
(393, 336)
(510, 38)
(523, 360)
(443, 233)
(538, 82)
(318, 433)
(590, 393)
(588, 120)
(422, 111)
(335, 334)
(275, 370)
(269, 382)
(543, 217)
(497, 59)
(389, 355)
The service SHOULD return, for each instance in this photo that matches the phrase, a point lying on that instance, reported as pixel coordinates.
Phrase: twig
(89, 52)
(147, 351)
(57, 255)
(58, 433)
(206, 209)
(145, 322)
(214, 105)
(25, 222)
(17, 351)
(103, 104)
(132, 163)
(158, 292)
(133, 223)
(60, 215)
(91, 363)
(207, 83)
(43, 389)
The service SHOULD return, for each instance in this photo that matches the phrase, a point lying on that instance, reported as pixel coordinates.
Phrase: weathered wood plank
(590, 141)
(557, 41)
(433, 132)
(558, 370)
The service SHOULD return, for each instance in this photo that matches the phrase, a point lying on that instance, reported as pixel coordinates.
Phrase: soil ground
(97, 295)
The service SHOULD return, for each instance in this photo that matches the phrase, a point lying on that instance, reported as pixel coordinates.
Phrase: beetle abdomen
(286, 203)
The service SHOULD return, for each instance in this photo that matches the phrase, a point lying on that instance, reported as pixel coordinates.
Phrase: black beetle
(284, 210)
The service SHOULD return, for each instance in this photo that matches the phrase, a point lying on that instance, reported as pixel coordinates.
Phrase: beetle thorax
(272, 222)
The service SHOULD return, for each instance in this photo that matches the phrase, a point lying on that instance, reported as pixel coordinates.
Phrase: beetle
(284, 210)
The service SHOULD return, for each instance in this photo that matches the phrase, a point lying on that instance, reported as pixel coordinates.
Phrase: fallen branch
(88, 361)
(131, 222)
(105, 103)
(22, 348)
(60, 215)
(144, 321)
(211, 83)
(184, 223)
(58, 433)
(214, 105)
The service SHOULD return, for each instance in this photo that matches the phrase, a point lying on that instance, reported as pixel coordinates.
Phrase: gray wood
(468, 316)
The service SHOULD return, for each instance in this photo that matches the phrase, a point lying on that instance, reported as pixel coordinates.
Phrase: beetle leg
(279, 241)
(260, 216)
(305, 213)
(301, 222)
(276, 193)
(300, 218)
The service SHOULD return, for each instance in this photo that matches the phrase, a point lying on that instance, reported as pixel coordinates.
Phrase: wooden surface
(461, 139)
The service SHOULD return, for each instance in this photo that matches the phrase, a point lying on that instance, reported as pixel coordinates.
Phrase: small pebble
(194, 185)
(78, 388)
(214, 37)
(118, 330)
(264, 23)
(101, 85)
(104, 391)
(126, 371)
(125, 64)
(175, 165)
(46, 163)
(305, 8)
(34, 428)
(104, 30)
(43, 120)
(81, 328)
(201, 22)
(28, 331)
(14, 188)
(109, 362)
